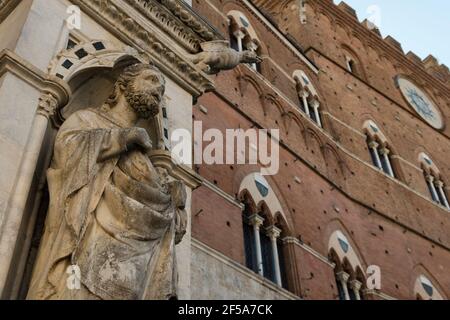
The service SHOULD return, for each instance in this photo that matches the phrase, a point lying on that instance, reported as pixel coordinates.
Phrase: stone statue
(114, 219)
(218, 56)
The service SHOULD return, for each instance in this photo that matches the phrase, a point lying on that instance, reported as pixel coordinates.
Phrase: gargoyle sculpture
(218, 56)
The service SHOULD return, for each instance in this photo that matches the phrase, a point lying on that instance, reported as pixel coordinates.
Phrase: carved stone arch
(269, 200)
(246, 198)
(304, 82)
(280, 222)
(240, 21)
(91, 70)
(425, 286)
(373, 131)
(96, 54)
(345, 249)
(428, 165)
(264, 211)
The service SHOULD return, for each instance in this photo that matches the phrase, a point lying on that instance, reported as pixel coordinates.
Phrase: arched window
(378, 145)
(349, 276)
(243, 36)
(264, 251)
(424, 289)
(352, 63)
(307, 94)
(434, 182)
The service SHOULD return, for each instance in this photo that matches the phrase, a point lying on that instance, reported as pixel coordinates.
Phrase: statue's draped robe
(114, 219)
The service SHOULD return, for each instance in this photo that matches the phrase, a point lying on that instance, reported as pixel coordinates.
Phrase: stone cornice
(176, 19)
(122, 21)
(6, 7)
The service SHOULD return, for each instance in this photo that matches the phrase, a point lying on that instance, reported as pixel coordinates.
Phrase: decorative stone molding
(377, 295)
(295, 241)
(94, 54)
(283, 293)
(116, 17)
(48, 105)
(177, 20)
(48, 84)
(6, 7)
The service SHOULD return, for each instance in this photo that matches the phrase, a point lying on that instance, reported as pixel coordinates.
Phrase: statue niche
(113, 219)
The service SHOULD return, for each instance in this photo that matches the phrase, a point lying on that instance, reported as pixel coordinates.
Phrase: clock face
(420, 102)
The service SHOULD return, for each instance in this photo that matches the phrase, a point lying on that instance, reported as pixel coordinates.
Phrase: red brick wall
(388, 223)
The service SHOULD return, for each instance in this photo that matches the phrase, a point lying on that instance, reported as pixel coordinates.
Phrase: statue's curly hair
(127, 76)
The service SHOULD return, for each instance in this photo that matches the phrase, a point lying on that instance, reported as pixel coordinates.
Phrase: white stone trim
(379, 294)
(222, 194)
(243, 270)
(307, 248)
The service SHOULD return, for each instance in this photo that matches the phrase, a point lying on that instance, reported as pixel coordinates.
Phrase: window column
(355, 285)
(343, 277)
(385, 154)
(239, 35)
(256, 221)
(274, 233)
(433, 191)
(316, 104)
(440, 188)
(304, 96)
(373, 145)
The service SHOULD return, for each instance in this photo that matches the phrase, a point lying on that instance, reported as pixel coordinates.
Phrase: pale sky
(422, 26)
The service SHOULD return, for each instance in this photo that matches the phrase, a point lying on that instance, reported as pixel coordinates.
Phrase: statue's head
(250, 57)
(143, 87)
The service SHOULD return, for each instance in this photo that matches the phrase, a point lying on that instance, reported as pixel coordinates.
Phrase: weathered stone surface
(114, 219)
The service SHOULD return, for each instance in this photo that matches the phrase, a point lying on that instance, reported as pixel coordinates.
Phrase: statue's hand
(138, 137)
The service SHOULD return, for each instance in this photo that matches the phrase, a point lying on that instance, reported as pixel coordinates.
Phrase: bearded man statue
(114, 219)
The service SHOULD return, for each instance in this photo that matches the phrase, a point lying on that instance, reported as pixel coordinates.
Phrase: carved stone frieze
(174, 18)
(115, 16)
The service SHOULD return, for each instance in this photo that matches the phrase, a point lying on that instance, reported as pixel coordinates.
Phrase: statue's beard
(145, 103)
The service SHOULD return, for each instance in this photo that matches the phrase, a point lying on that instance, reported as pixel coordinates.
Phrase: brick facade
(389, 222)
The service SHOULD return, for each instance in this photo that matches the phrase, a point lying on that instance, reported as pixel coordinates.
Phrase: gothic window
(264, 247)
(243, 36)
(352, 63)
(435, 184)
(307, 94)
(425, 289)
(378, 146)
(249, 240)
(348, 275)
